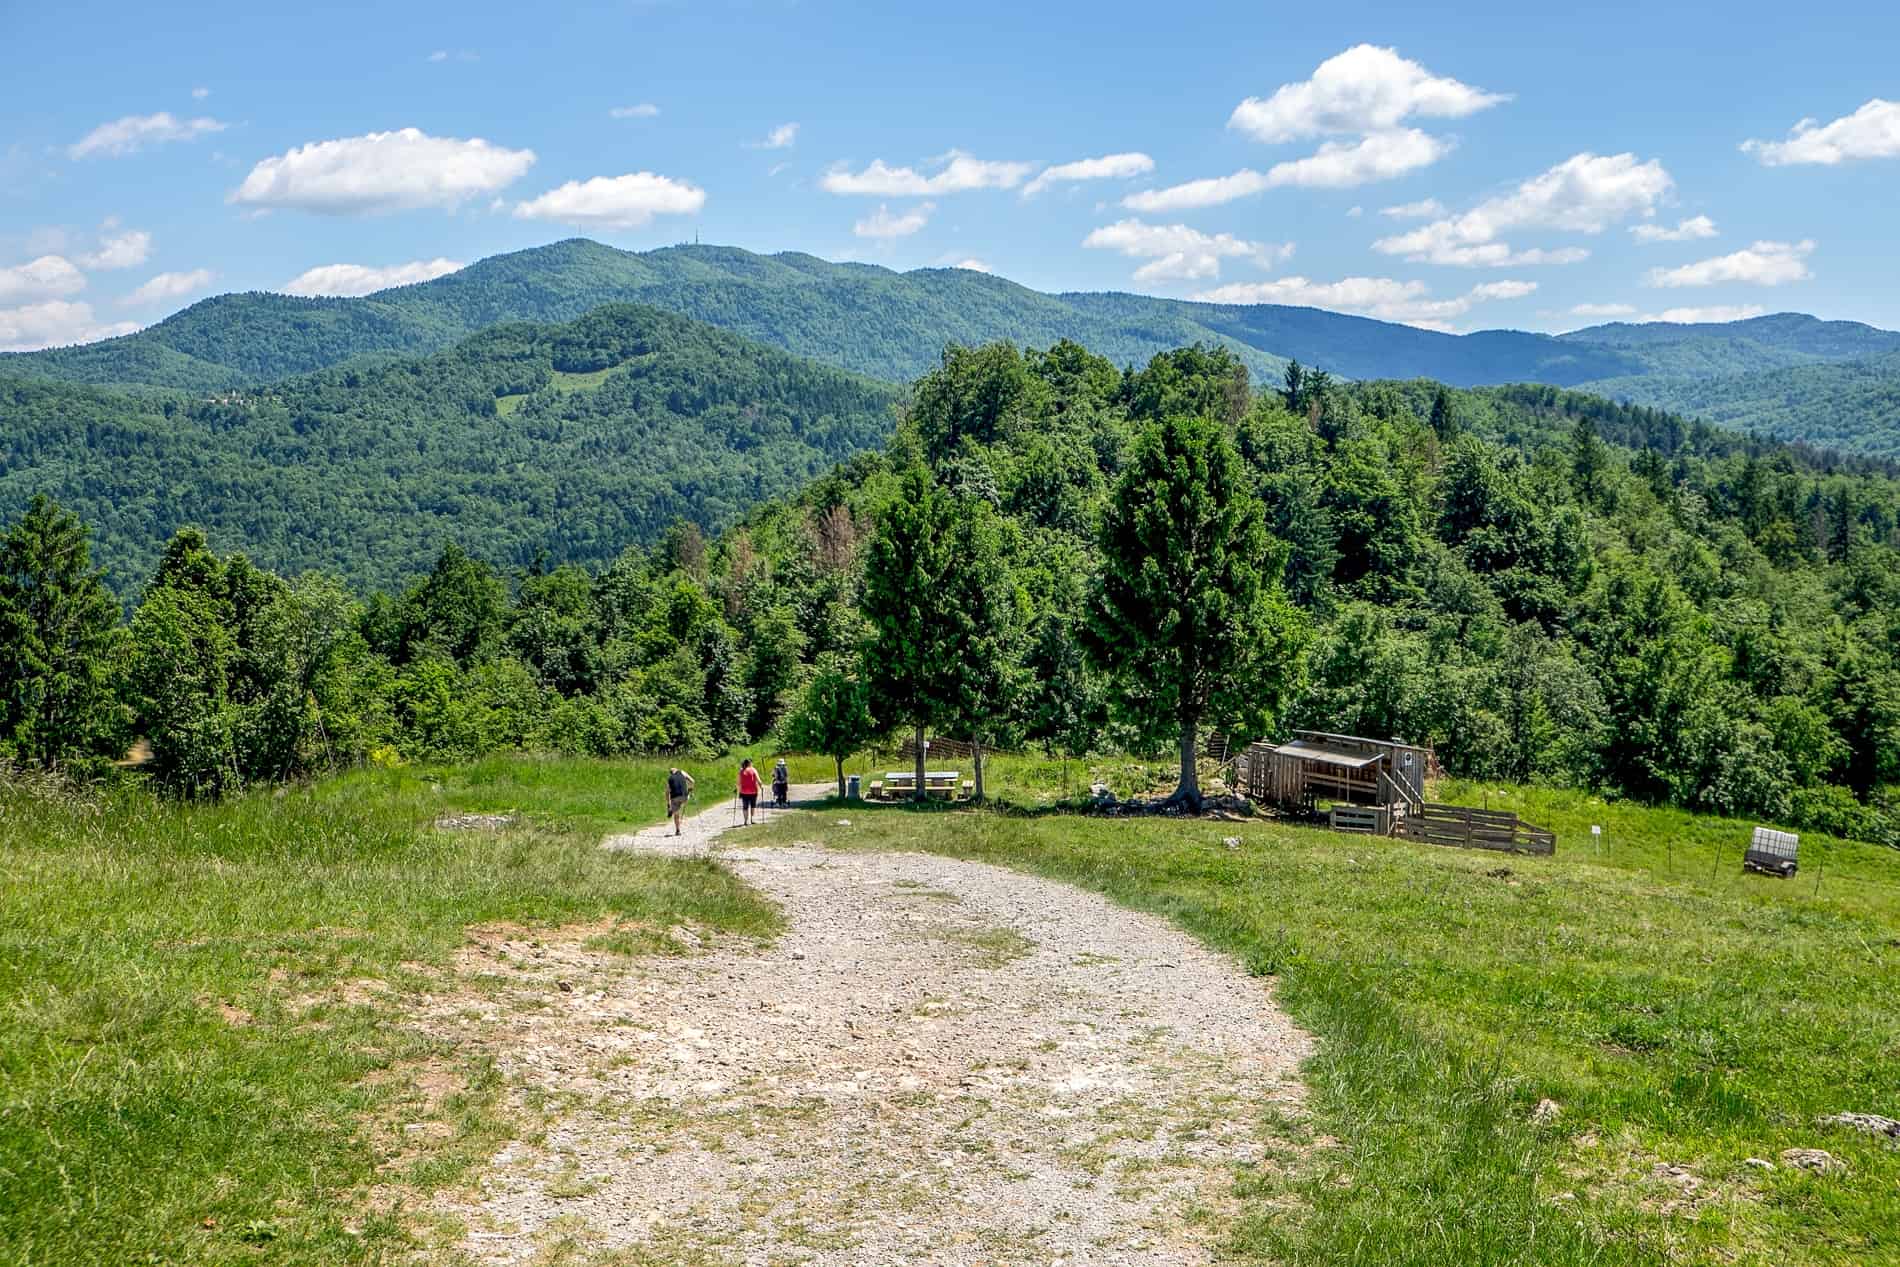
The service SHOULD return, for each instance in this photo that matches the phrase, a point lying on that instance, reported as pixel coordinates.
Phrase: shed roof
(1307, 750)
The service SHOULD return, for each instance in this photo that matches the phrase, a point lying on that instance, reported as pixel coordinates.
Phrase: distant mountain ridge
(892, 326)
(859, 317)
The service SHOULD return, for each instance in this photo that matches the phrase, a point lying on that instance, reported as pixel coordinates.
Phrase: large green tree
(58, 638)
(833, 714)
(1189, 617)
(985, 611)
(913, 647)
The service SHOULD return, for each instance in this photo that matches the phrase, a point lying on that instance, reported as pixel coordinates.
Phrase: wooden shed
(1315, 766)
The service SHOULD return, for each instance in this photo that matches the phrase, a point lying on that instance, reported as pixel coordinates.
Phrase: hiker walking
(781, 784)
(679, 786)
(748, 789)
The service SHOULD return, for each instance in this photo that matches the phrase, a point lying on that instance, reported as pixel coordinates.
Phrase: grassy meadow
(198, 1062)
(196, 1059)
(1681, 1016)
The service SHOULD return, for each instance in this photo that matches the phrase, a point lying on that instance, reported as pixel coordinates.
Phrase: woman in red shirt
(748, 788)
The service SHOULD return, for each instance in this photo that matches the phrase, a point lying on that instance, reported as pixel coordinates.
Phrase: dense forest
(567, 441)
(1052, 552)
(1787, 375)
(890, 325)
(1852, 405)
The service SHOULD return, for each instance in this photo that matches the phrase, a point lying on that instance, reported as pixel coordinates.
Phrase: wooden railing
(1368, 820)
(1474, 829)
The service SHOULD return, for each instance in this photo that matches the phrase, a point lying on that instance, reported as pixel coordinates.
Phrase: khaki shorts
(674, 804)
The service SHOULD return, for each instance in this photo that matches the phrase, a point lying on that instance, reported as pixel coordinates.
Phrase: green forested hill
(1739, 347)
(1853, 406)
(856, 316)
(573, 439)
(893, 326)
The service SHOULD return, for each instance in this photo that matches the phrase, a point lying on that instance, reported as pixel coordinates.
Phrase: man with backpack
(679, 787)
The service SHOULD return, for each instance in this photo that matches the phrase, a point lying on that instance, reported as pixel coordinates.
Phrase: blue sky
(1555, 169)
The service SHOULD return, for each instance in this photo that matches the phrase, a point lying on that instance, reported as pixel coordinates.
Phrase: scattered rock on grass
(1759, 1163)
(1546, 1112)
(473, 822)
(1868, 1123)
(1817, 1160)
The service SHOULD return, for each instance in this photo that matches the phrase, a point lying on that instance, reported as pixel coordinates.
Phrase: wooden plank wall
(1471, 828)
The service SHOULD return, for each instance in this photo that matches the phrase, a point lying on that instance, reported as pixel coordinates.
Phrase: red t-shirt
(749, 781)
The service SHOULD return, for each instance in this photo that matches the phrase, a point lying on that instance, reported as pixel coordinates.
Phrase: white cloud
(1873, 131)
(1583, 194)
(1354, 212)
(782, 137)
(1377, 156)
(360, 279)
(170, 286)
(1386, 298)
(1689, 230)
(1364, 89)
(1698, 316)
(1107, 167)
(454, 55)
(1603, 310)
(1424, 209)
(1337, 165)
(1176, 252)
(1502, 290)
(47, 277)
(135, 131)
(974, 265)
(381, 171)
(614, 202)
(958, 173)
(199, 94)
(1762, 264)
(55, 323)
(126, 249)
(1211, 191)
(882, 224)
(645, 110)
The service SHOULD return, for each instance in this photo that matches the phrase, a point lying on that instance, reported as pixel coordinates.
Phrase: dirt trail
(939, 1062)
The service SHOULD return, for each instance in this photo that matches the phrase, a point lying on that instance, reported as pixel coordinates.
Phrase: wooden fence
(941, 749)
(1474, 829)
(1367, 820)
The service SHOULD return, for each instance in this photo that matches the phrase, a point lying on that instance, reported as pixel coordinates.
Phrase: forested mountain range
(892, 326)
(572, 439)
(1542, 584)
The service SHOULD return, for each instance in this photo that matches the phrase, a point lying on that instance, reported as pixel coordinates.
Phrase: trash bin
(851, 787)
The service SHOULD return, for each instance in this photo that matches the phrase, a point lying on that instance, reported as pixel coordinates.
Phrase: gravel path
(939, 1061)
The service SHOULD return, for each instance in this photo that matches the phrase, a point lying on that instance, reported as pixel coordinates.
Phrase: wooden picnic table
(947, 784)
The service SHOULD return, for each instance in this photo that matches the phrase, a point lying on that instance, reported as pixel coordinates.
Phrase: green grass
(1680, 1014)
(192, 1066)
(561, 381)
(185, 1034)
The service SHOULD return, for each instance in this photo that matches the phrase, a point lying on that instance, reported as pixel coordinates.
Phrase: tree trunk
(840, 761)
(1188, 795)
(923, 791)
(976, 756)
